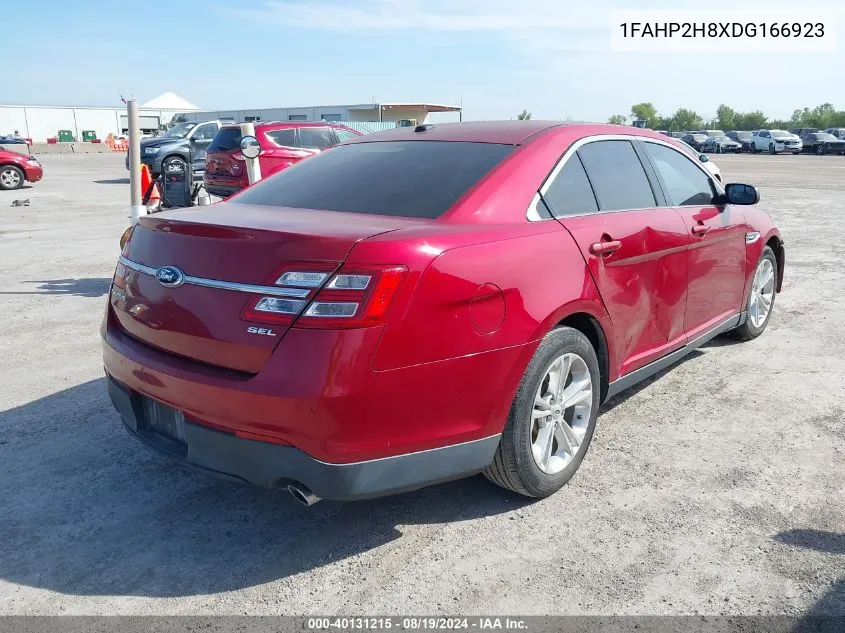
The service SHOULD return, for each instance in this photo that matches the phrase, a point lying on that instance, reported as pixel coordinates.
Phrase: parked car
(188, 141)
(838, 132)
(274, 338)
(721, 145)
(823, 143)
(695, 140)
(16, 168)
(12, 140)
(282, 145)
(704, 159)
(742, 137)
(774, 141)
(802, 131)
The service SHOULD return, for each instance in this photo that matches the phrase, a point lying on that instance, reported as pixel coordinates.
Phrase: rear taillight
(349, 298)
(120, 270)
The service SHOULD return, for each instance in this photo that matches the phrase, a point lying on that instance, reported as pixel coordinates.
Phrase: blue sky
(495, 56)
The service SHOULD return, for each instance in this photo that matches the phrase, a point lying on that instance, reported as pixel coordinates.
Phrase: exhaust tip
(303, 494)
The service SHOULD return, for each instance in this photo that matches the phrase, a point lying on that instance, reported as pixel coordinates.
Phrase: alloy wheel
(762, 293)
(561, 414)
(10, 178)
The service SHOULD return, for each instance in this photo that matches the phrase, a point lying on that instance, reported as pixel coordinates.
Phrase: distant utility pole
(135, 206)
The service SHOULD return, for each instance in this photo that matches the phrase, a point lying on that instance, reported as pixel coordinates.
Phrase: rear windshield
(226, 139)
(419, 179)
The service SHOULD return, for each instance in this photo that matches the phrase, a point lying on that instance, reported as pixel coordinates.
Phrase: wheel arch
(590, 327)
(776, 244)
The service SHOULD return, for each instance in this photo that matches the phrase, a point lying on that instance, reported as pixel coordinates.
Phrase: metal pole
(135, 206)
(253, 169)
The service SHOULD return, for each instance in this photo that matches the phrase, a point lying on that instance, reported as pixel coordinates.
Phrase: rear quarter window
(420, 179)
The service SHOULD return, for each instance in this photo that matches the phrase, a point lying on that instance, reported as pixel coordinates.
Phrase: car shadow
(623, 396)
(722, 340)
(87, 510)
(832, 603)
(83, 287)
(112, 181)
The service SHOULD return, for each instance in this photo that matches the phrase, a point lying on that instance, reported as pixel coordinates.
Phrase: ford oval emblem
(170, 276)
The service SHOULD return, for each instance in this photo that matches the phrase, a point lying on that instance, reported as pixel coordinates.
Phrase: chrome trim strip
(752, 236)
(222, 285)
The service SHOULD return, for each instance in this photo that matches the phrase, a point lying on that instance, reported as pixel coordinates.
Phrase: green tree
(684, 120)
(618, 119)
(751, 121)
(645, 112)
(525, 115)
(726, 117)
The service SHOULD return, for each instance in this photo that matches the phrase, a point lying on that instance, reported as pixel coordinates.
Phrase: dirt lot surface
(716, 487)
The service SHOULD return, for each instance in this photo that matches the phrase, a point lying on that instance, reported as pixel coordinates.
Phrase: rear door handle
(604, 248)
(700, 229)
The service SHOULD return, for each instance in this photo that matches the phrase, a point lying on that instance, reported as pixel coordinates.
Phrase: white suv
(838, 132)
(774, 141)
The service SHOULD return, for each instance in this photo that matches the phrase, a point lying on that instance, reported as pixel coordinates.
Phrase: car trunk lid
(186, 278)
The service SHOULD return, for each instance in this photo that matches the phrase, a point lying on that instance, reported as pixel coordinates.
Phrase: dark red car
(282, 145)
(16, 168)
(428, 303)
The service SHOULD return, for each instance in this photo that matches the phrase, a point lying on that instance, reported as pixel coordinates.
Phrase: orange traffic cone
(149, 190)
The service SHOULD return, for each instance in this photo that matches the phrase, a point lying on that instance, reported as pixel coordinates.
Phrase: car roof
(280, 125)
(502, 132)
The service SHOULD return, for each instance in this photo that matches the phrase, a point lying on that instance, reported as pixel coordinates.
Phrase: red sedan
(16, 168)
(282, 145)
(428, 303)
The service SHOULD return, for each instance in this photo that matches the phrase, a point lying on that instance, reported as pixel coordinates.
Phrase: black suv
(184, 140)
(742, 137)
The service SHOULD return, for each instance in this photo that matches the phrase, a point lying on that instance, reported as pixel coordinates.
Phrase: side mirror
(250, 147)
(703, 158)
(741, 194)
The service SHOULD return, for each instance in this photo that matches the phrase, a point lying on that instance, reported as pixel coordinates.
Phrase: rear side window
(315, 137)
(226, 140)
(344, 135)
(285, 138)
(420, 179)
(685, 183)
(617, 175)
(570, 192)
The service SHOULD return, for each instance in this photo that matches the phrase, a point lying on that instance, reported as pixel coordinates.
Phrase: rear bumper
(317, 392)
(222, 186)
(273, 466)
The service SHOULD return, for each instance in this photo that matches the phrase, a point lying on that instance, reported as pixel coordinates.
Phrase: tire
(11, 178)
(754, 148)
(820, 150)
(514, 466)
(750, 330)
(772, 148)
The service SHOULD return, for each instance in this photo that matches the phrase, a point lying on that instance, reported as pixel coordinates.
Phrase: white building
(365, 112)
(42, 122)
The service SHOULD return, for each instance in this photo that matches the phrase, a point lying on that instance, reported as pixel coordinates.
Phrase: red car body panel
(32, 173)
(226, 170)
(481, 286)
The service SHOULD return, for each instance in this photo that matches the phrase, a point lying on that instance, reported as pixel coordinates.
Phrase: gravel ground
(716, 487)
